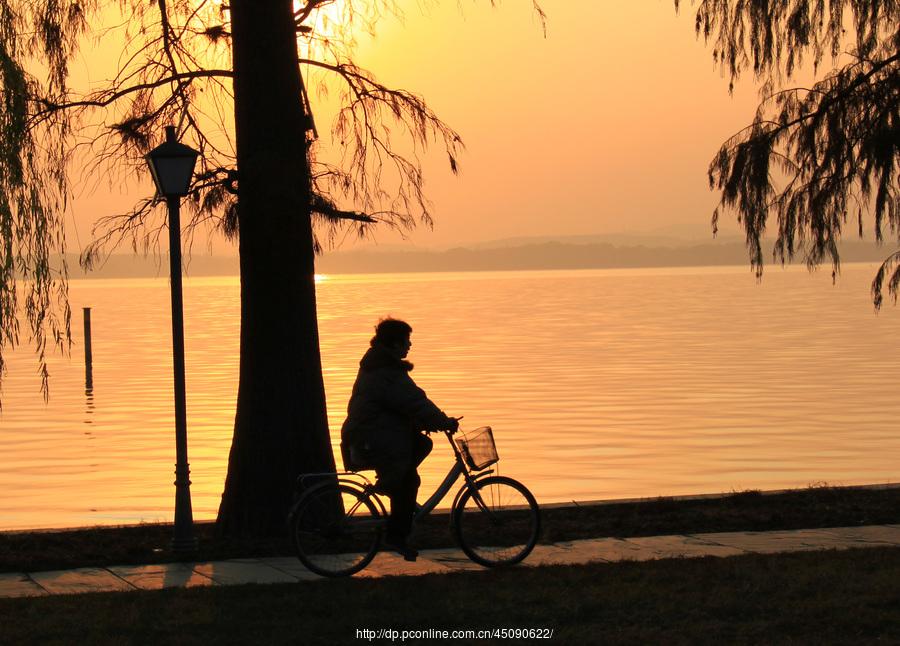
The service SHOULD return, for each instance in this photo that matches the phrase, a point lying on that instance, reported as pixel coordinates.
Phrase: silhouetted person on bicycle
(386, 416)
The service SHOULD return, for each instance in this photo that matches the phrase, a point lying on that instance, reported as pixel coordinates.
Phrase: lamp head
(172, 166)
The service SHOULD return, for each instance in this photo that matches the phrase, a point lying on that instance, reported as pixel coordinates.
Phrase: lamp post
(172, 166)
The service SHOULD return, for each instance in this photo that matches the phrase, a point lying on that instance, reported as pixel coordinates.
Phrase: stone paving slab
(883, 534)
(666, 547)
(19, 585)
(388, 564)
(450, 558)
(240, 571)
(163, 575)
(781, 541)
(290, 566)
(604, 549)
(557, 554)
(80, 580)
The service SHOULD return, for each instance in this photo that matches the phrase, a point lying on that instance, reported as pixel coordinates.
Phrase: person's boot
(402, 548)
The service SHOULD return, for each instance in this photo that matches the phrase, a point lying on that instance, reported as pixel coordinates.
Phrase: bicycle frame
(459, 468)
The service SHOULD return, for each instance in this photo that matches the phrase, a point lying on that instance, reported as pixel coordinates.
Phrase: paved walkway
(290, 570)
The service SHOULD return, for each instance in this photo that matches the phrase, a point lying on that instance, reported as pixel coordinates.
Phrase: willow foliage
(816, 158)
(33, 159)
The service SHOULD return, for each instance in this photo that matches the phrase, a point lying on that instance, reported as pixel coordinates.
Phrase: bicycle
(338, 521)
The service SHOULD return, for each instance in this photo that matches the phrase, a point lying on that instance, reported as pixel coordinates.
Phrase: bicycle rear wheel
(336, 529)
(498, 523)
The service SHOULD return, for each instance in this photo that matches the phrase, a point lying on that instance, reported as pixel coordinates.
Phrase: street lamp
(172, 166)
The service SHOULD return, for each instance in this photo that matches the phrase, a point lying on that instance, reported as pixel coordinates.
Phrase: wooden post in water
(88, 354)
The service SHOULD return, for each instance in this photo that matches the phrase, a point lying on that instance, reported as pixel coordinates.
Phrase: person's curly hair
(390, 332)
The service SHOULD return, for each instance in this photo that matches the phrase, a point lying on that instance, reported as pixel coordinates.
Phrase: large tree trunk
(281, 427)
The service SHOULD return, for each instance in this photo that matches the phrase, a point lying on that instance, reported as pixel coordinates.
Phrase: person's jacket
(386, 405)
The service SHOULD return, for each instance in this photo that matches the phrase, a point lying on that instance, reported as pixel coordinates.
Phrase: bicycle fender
(341, 480)
(362, 489)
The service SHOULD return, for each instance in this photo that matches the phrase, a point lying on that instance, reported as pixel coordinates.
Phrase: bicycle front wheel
(498, 522)
(336, 529)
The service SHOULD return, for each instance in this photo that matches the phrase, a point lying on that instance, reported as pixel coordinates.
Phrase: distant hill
(615, 239)
(561, 255)
(553, 254)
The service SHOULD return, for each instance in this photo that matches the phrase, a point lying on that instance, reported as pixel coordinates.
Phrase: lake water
(599, 384)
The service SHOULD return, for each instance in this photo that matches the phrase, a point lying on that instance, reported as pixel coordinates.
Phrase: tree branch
(109, 99)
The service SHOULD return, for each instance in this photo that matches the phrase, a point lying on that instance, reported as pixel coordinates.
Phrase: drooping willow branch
(811, 154)
(359, 130)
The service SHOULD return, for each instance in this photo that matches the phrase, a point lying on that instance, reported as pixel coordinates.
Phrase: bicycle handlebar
(447, 430)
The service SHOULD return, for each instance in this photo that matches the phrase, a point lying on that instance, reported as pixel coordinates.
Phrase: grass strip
(818, 506)
(843, 597)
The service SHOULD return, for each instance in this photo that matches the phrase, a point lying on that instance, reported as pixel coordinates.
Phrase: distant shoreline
(526, 257)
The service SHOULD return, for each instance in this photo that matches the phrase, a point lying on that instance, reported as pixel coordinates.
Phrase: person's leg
(403, 500)
(394, 460)
(391, 461)
(403, 505)
(422, 446)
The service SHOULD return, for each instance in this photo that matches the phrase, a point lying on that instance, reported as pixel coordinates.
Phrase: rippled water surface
(599, 384)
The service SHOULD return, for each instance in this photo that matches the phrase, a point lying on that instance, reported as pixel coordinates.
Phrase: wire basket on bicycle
(477, 448)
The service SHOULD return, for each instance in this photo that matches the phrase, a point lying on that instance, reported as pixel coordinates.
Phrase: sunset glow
(549, 295)
(562, 133)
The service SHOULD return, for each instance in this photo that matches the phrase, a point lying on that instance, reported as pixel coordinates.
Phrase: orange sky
(605, 126)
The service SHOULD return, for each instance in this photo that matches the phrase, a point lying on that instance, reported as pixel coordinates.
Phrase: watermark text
(397, 635)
